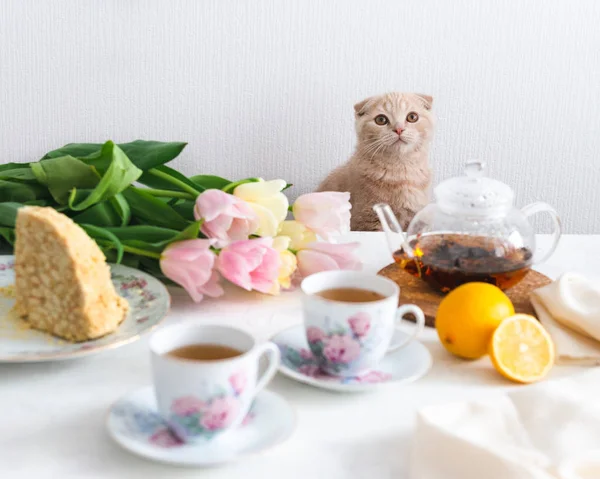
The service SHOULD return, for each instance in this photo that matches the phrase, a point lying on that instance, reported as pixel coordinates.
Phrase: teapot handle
(541, 207)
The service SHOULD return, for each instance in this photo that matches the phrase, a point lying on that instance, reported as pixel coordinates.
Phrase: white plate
(134, 423)
(399, 367)
(149, 303)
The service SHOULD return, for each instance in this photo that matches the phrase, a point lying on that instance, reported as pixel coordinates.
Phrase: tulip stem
(174, 181)
(170, 194)
(232, 186)
(141, 252)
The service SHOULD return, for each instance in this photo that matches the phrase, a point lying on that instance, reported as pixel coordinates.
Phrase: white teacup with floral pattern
(201, 399)
(349, 339)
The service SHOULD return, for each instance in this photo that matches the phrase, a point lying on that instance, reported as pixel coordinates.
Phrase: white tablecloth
(52, 414)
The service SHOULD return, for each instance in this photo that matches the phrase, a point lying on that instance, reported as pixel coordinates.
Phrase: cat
(390, 164)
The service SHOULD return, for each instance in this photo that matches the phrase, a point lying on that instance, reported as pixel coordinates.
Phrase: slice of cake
(62, 281)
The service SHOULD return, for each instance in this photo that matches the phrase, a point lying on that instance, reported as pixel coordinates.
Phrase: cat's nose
(399, 130)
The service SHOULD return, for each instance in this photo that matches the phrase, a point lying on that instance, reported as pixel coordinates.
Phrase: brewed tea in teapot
(472, 233)
(449, 260)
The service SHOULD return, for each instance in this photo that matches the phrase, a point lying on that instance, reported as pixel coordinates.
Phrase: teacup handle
(419, 316)
(274, 358)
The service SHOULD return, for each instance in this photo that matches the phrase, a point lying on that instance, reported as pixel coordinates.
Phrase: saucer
(399, 367)
(134, 423)
(148, 300)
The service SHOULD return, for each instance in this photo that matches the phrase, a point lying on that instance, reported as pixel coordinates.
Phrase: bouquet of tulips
(194, 231)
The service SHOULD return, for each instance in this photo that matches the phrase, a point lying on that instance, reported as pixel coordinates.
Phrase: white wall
(267, 87)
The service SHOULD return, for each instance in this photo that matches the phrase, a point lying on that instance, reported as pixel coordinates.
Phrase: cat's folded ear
(427, 100)
(361, 107)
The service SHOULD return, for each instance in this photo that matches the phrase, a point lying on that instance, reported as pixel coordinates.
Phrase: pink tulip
(326, 213)
(251, 264)
(318, 257)
(226, 218)
(191, 264)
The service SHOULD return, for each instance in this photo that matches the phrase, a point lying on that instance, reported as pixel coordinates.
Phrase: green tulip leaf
(8, 234)
(152, 234)
(191, 232)
(21, 192)
(8, 213)
(210, 181)
(165, 178)
(143, 154)
(62, 174)
(20, 172)
(120, 174)
(149, 210)
(119, 203)
(96, 232)
(102, 214)
(185, 208)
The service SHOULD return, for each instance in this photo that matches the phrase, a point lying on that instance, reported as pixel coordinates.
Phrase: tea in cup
(206, 377)
(350, 319)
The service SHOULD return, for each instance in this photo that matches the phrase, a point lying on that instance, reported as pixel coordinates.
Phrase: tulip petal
(253, 192)
(299, 234)
(212, 287)
(281, 243)
(278, 205)
(327, 213)
(212, 203)
(267, 221)
(234, 268)
(311, 262)
(190, 264)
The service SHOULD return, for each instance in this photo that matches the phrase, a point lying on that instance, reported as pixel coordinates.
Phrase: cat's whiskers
(373, 146)
(377, 150)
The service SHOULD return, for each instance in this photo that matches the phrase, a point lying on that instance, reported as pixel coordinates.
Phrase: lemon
(468, 316)
(521, 349)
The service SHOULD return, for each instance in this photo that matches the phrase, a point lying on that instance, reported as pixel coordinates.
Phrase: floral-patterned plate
(149, 303)
(134, 423)
(399, 367)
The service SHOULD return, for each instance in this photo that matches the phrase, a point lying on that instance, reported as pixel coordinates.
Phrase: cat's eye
(381, 120)
(412, 117)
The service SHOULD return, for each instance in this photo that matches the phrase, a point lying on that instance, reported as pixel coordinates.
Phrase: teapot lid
(474, 194)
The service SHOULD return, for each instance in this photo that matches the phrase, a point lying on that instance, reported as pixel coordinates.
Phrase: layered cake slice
(62, 281)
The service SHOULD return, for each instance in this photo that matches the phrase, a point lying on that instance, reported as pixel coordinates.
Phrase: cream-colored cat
(390, 164)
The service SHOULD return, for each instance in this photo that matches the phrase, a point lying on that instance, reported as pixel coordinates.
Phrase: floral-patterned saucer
(134, 423)
(399, 367)
(149, 303)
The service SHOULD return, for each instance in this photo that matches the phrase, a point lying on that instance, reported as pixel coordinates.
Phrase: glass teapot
(471, 233)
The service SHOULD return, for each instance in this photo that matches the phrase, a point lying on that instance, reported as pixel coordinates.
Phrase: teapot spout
(396, 238)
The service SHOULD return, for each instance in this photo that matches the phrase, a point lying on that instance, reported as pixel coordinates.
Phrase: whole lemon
(468, 316)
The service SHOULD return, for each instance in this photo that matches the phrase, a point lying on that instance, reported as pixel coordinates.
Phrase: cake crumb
(8, 291)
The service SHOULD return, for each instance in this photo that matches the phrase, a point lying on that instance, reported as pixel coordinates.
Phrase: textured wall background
(266, 88)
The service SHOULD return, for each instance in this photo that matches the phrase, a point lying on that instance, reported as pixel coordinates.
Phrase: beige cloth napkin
(547, 431)
(569, 309)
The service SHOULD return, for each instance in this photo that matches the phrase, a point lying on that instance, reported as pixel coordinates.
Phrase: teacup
(350, 338)
(200, 399)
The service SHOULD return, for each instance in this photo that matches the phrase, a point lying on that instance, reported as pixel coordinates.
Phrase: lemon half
(521, 349)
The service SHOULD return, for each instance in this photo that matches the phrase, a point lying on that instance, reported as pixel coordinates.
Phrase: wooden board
(415, 291)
